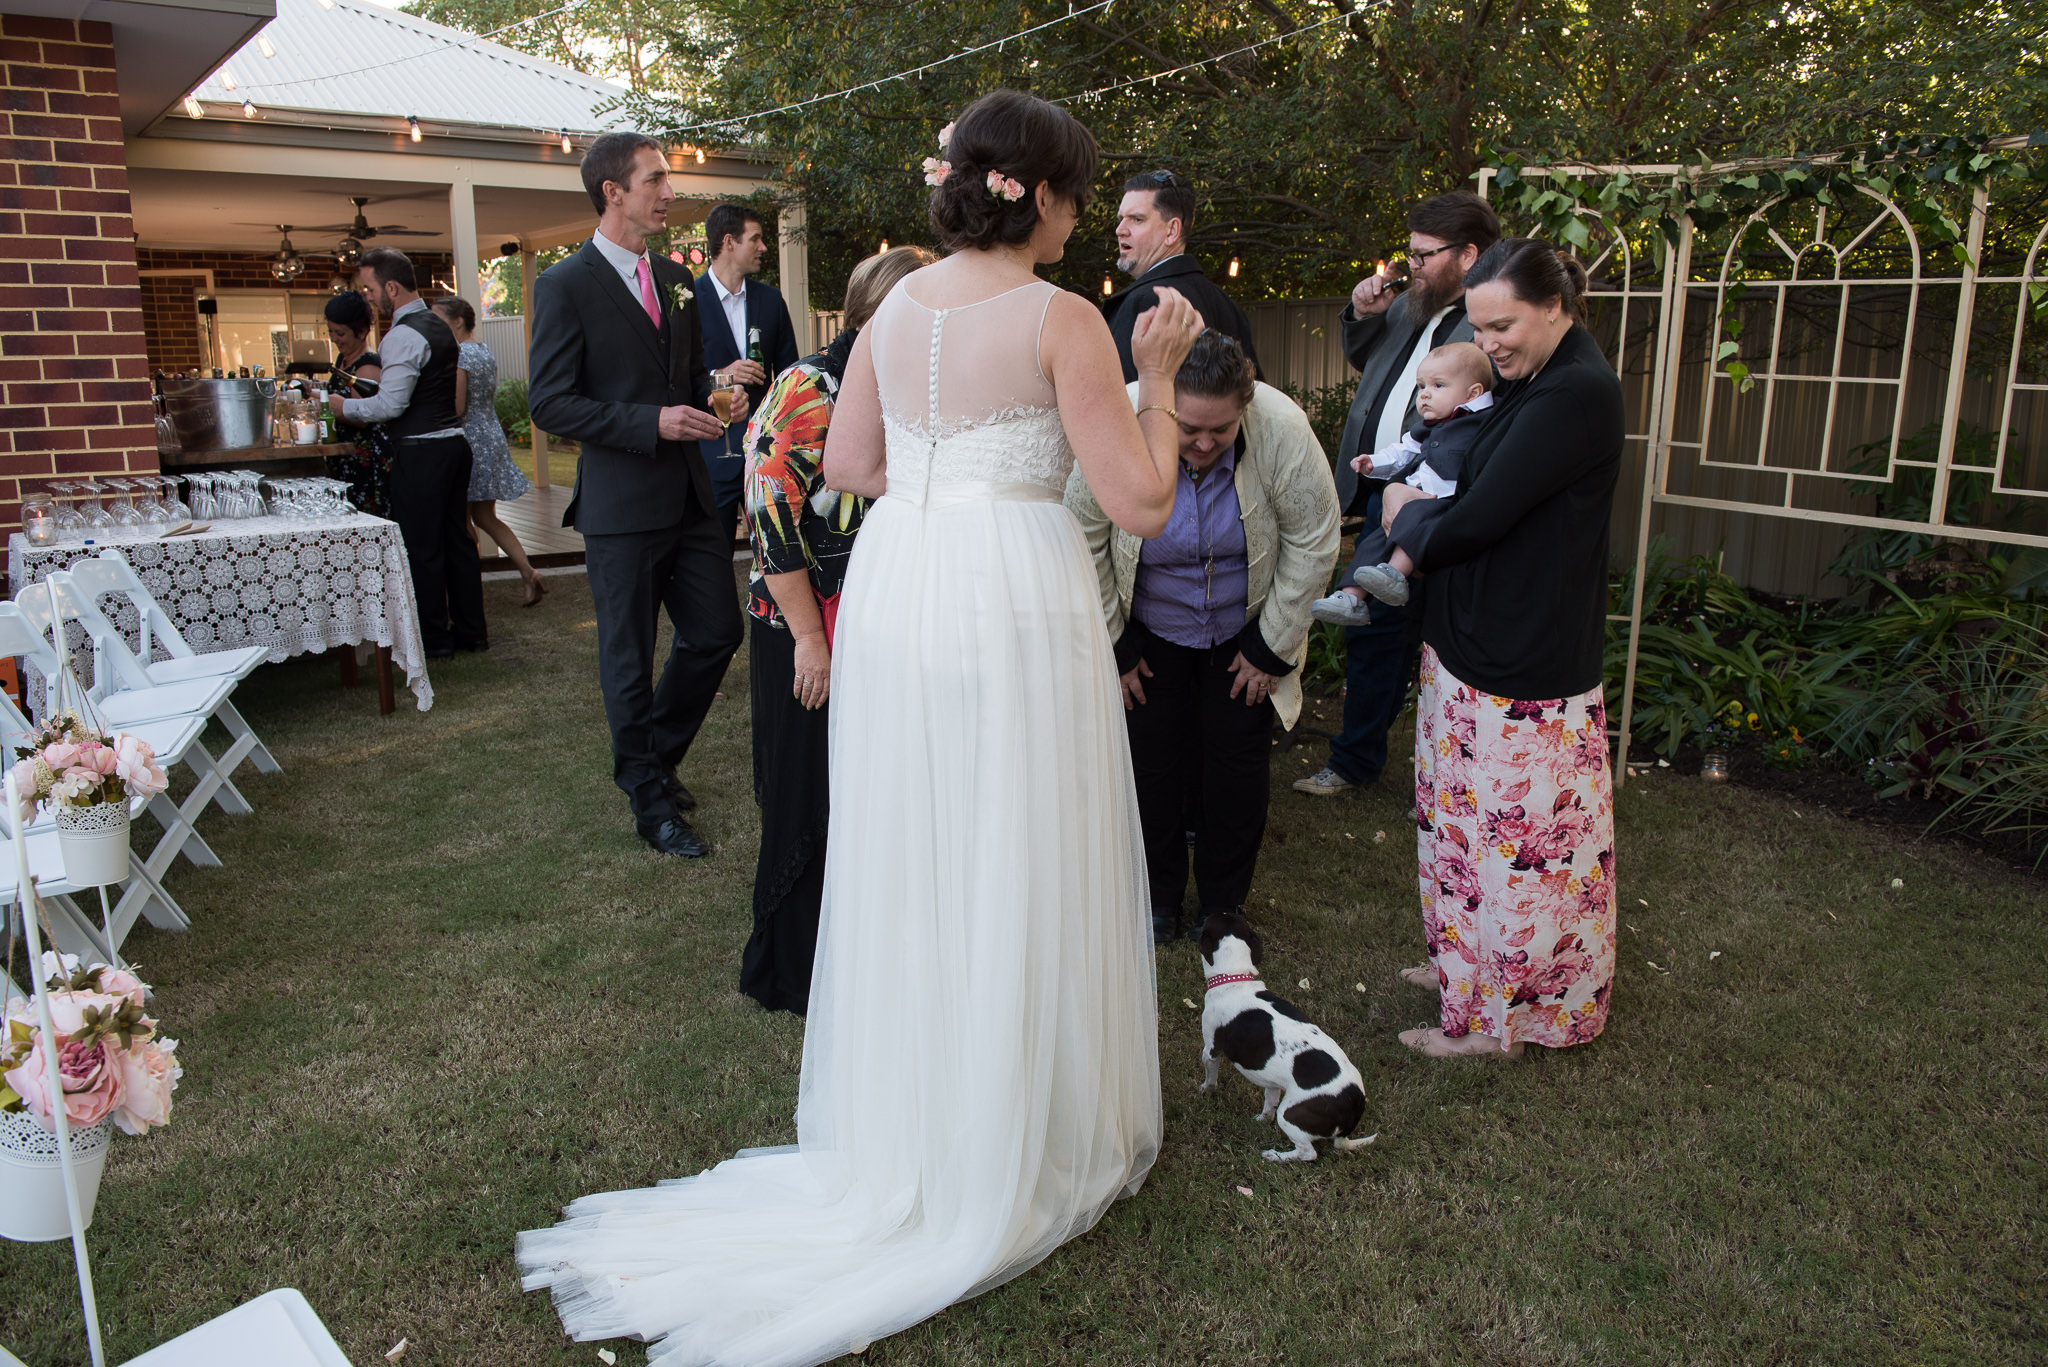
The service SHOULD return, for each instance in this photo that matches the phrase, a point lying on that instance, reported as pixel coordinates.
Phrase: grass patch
(561, 463)
(438, 989)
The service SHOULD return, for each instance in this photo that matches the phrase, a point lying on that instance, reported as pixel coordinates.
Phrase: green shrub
(512, 411)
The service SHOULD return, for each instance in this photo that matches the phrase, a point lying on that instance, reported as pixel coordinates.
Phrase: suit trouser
(430, 504)
(685, 569)
(1190, 737)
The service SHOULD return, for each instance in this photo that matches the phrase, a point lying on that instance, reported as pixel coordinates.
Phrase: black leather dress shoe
(677, 793)
(672, 835)
(1165, 926)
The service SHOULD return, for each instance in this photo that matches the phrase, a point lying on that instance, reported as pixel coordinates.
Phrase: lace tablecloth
(292, 586)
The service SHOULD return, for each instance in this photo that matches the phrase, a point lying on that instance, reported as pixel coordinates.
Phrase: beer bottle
(754, 348)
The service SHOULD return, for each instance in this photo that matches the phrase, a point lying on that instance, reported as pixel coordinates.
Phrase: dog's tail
(1343, 1145)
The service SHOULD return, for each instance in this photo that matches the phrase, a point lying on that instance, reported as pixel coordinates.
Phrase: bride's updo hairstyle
(1028, 141)
(1535, 272)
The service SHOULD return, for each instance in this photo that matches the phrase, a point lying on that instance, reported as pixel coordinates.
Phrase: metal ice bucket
(220, 415)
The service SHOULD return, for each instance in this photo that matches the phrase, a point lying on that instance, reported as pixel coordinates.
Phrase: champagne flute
(721, 405)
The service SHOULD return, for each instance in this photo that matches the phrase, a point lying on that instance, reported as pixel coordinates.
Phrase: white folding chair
(121, 691)
(78, 930)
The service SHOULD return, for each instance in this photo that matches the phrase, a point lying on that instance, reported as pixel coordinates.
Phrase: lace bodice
(963, 395)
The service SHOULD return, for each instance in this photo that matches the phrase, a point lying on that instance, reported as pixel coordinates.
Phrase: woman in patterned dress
(1514, 796)
(492, 475)
(802, 535)
(366, 469)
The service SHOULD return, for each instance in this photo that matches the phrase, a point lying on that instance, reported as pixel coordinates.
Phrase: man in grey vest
(415, 401)
(1386, 335)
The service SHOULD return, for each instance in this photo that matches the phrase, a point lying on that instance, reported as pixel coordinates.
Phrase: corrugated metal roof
(360, 58)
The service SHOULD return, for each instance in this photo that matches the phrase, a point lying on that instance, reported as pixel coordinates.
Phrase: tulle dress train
(980, 1076)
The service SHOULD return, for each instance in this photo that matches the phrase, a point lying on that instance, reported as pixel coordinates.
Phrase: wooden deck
(537, 521)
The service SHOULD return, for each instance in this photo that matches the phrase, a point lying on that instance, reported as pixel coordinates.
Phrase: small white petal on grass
(1641, 903)
(1244, 1191)
(607, 1356)
(1795, 812)
(397, 1350)
(1898, 883)
(1358, 987)
(1632, 928)
(1189, 1005)
(1303, 984)
(1831, 915)
(1713, 954)
(1378, 836)
(1659, 967)
(1349, 836)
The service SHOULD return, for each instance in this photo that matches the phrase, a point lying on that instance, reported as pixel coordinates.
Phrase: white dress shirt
(403, 351)
(735, 309)
(1391, 426)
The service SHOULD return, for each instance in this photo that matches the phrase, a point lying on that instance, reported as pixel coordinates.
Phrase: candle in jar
(39, 527)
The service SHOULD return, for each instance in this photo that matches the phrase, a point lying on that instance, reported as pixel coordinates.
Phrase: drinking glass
(204, 509)
(175, 509)
(252, 500)
(70, 522)
(124, 512)
(96, 518)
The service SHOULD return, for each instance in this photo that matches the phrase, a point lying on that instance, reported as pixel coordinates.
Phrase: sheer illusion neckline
(956, 308)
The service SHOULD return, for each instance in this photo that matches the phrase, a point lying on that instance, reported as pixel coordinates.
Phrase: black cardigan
(1516, 598)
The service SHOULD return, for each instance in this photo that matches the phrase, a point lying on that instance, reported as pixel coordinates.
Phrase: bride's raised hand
(1163, 335)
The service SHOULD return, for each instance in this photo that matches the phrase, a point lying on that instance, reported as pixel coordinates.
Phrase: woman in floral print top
(802, 534)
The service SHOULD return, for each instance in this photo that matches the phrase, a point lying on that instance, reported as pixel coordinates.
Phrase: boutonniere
(677, 296)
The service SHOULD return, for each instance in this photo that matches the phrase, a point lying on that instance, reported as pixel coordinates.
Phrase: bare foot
(536, 589)
(1422, 975)
(1434, 1043)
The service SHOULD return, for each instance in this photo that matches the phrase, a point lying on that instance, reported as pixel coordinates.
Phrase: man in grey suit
(618, 364)
(1386, 335)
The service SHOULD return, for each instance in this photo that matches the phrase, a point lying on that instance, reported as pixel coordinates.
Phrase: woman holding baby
(1514, 797)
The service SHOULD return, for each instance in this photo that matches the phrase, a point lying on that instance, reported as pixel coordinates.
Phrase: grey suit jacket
(601, 374)
(1376, 346)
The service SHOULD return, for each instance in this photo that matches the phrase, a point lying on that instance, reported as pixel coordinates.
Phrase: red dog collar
(1211, 984)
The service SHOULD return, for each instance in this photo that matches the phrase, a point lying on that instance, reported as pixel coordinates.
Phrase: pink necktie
(647, 294)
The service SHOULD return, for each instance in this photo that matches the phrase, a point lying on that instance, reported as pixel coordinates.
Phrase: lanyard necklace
(1203, 546)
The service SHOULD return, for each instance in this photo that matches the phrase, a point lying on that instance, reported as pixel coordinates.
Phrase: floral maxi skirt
(1514, 808)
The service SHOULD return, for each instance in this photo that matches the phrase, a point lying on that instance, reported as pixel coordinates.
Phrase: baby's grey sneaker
(1345, 609)
(1383, 582)
(1324, 782)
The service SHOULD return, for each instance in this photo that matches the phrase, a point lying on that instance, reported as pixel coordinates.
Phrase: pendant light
(287, 265)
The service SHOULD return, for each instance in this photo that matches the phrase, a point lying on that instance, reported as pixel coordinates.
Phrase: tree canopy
(1307, 149)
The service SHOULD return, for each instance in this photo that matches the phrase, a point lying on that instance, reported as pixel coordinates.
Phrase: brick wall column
(74, 376)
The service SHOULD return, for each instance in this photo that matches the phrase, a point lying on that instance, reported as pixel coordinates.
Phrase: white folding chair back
(109, 573)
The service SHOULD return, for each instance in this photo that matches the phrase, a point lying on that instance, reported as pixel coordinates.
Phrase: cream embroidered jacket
(1287, 501)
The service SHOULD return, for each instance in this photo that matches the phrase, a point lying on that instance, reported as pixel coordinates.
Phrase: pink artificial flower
(936, 171)
(945, 135)
(136, 763)
(149, 1074)
(101, 759)
(61, 755)
(121, 983)
(91, 1080)
(1003, 187)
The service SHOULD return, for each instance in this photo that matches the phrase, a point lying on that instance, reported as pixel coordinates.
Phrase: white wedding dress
(981, 1068)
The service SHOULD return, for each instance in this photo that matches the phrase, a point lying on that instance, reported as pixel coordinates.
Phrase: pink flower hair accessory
(1003, 187)
(945, 136)
(936, 171)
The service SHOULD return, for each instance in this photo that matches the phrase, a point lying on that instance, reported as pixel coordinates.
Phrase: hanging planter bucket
(32, 1177)
(94, 842)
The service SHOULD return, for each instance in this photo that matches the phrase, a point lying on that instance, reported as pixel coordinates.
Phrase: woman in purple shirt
(1211, 618)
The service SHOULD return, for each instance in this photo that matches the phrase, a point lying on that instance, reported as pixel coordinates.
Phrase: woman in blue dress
(492, 475)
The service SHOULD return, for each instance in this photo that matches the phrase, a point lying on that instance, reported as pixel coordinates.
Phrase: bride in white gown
(981, 1073)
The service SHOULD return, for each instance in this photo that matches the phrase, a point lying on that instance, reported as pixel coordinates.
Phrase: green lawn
(438, 989)
(561, 463)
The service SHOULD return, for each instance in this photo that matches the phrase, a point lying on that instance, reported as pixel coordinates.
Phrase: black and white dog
(1311, 1087)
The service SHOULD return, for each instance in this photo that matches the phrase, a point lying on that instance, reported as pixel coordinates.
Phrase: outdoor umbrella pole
(53, 1078)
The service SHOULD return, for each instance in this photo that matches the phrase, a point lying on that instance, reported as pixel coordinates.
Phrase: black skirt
(792, 789)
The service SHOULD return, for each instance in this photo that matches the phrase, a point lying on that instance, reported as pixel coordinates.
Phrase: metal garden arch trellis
(1728, 420)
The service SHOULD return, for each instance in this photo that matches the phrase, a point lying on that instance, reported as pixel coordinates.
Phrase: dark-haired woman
(492, 475)
(981, 1070)
(1514, 797)
(1211, 618)
(367, 469)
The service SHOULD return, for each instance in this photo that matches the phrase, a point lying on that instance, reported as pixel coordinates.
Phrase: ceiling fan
(350, 249)
(287, 265)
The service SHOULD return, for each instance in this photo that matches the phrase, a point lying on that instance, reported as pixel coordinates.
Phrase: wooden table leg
(348, 666)
(387, 701)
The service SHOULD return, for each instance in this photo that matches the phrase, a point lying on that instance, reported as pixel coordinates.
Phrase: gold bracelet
(1173, 413)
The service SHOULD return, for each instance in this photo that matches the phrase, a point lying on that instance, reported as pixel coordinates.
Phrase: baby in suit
(1453, 390)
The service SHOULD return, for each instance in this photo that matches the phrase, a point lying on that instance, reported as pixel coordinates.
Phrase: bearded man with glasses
(1387, 332)
(1152, 227)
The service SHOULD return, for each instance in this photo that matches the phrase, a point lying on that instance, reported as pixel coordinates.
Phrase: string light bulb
(248, 109)
(1108, 288)
(1233, 268)
(700, 156)
(194, 108)
(227, 78)
(414, 124)
(326, 4)
(263, 46)
(885, 245)
(567, 146)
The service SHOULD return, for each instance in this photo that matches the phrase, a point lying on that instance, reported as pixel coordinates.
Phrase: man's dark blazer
(601, 374)
(766, 311)
(1183, 273)
(1376, 347)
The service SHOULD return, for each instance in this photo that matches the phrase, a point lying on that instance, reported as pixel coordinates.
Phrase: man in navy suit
(732, 309)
